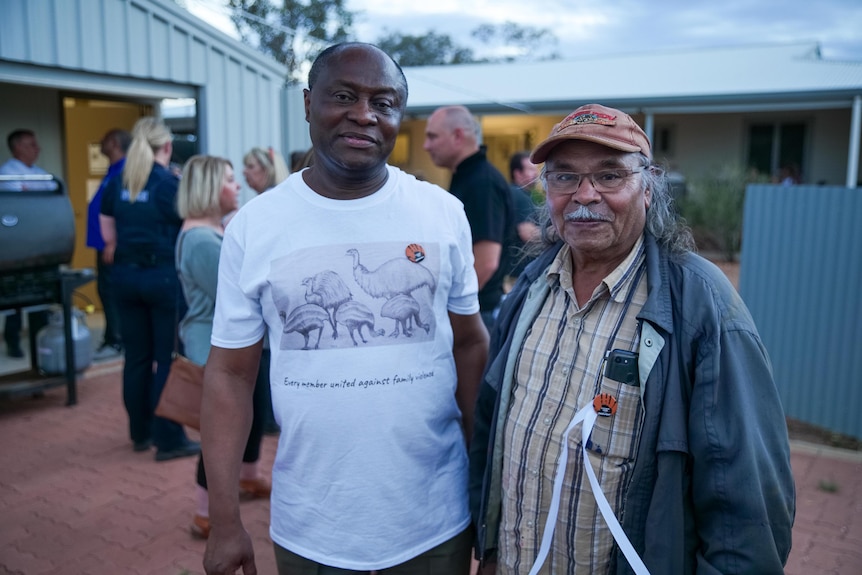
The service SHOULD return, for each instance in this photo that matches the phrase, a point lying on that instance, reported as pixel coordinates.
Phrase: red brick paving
(75, 499)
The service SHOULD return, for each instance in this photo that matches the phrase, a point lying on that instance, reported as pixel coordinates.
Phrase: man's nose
(363, 112)
(586, 192)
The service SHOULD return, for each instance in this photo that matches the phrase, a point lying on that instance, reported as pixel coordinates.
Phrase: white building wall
(297, 136)
(829, 145)
(704, 143)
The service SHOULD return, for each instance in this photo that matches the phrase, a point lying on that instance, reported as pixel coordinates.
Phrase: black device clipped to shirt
(622, 365)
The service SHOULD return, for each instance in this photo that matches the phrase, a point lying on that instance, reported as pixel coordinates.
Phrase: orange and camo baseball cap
(599, 124)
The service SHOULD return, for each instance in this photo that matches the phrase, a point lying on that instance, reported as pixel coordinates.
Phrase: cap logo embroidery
(587, 118)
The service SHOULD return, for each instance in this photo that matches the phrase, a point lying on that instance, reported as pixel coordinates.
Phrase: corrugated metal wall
(801, 277)
(296, 132)
(129, 41)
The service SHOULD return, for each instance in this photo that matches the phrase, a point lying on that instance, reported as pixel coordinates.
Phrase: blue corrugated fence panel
(801, 277)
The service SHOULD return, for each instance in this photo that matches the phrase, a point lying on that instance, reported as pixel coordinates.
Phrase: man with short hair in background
(114, 145)
(524, 176)
(452, 140)
(25, 150)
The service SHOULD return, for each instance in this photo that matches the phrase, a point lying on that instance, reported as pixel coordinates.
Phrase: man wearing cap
(628, 421)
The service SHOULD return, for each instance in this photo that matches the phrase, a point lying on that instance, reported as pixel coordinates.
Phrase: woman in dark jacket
(139, 223)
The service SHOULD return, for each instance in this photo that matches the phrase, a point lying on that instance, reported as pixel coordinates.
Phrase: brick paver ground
(75, 499)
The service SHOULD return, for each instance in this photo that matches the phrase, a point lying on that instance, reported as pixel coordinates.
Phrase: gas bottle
(51, 343)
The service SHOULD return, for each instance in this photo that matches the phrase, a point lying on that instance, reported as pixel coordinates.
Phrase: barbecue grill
(37, 238)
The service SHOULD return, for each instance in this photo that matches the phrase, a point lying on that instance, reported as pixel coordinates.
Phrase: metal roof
(693, 80)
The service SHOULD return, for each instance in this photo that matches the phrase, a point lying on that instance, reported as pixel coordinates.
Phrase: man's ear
(306, 99)
(647, 190)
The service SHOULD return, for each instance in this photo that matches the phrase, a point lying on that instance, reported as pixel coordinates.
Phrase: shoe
(254, 488)
(185, 450)
(15, 352)
(200, 527)
(144, 445)
(108, 351)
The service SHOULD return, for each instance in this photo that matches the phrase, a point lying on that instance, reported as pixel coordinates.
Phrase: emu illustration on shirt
(358, 298)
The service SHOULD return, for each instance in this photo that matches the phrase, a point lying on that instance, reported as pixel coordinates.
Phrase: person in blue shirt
(114, 145)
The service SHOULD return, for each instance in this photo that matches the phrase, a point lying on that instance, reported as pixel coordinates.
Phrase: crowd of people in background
(156, 236)
(539, 369)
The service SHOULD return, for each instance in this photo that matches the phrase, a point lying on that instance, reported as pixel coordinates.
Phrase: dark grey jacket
(712, 490)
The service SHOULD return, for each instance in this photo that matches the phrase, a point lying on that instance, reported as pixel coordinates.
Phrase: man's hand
(108, 254)
(226, 415)
(229, 549)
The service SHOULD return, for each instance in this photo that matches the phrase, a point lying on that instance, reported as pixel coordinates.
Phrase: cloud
(597, 27)
(603, 27)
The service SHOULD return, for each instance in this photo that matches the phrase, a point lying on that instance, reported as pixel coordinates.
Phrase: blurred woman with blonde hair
(208, 192)
(263, 168)
(139, 223)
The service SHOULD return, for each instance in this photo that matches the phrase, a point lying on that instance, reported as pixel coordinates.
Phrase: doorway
(85, 122)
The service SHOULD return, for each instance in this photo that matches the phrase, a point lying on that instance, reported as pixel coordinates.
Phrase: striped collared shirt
(557, 373)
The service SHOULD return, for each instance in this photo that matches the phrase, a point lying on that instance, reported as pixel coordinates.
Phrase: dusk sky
(602, 27)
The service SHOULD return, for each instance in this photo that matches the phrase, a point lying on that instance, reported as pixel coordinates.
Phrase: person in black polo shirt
(452, 140)
(140, 224)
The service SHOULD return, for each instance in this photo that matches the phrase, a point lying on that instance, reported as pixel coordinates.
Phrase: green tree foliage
(429, 49)
(517, 42)
(294, 33)
(505, 42)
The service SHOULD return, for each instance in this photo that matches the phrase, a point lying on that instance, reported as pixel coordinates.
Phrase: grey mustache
(584, 213)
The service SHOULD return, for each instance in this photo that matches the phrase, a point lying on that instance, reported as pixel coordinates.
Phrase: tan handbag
(180, 400)
(181, 397)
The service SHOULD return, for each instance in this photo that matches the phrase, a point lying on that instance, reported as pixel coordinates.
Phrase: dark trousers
(451, 557)
(105, 287)
(260, 401)
(148, 300)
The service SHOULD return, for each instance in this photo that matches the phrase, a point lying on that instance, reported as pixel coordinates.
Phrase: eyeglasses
(565, 183)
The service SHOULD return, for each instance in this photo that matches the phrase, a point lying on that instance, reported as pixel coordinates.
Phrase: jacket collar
(657, 309)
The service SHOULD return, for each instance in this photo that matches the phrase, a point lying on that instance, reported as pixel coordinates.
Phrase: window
(664, 141)
(773, 147)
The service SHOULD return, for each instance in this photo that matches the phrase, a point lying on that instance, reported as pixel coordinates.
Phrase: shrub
(713, 208)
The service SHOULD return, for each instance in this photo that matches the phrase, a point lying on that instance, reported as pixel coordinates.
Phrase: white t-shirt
(371, 467)
(15, 167)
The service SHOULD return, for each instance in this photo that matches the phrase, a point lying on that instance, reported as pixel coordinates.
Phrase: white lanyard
(588, 416)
